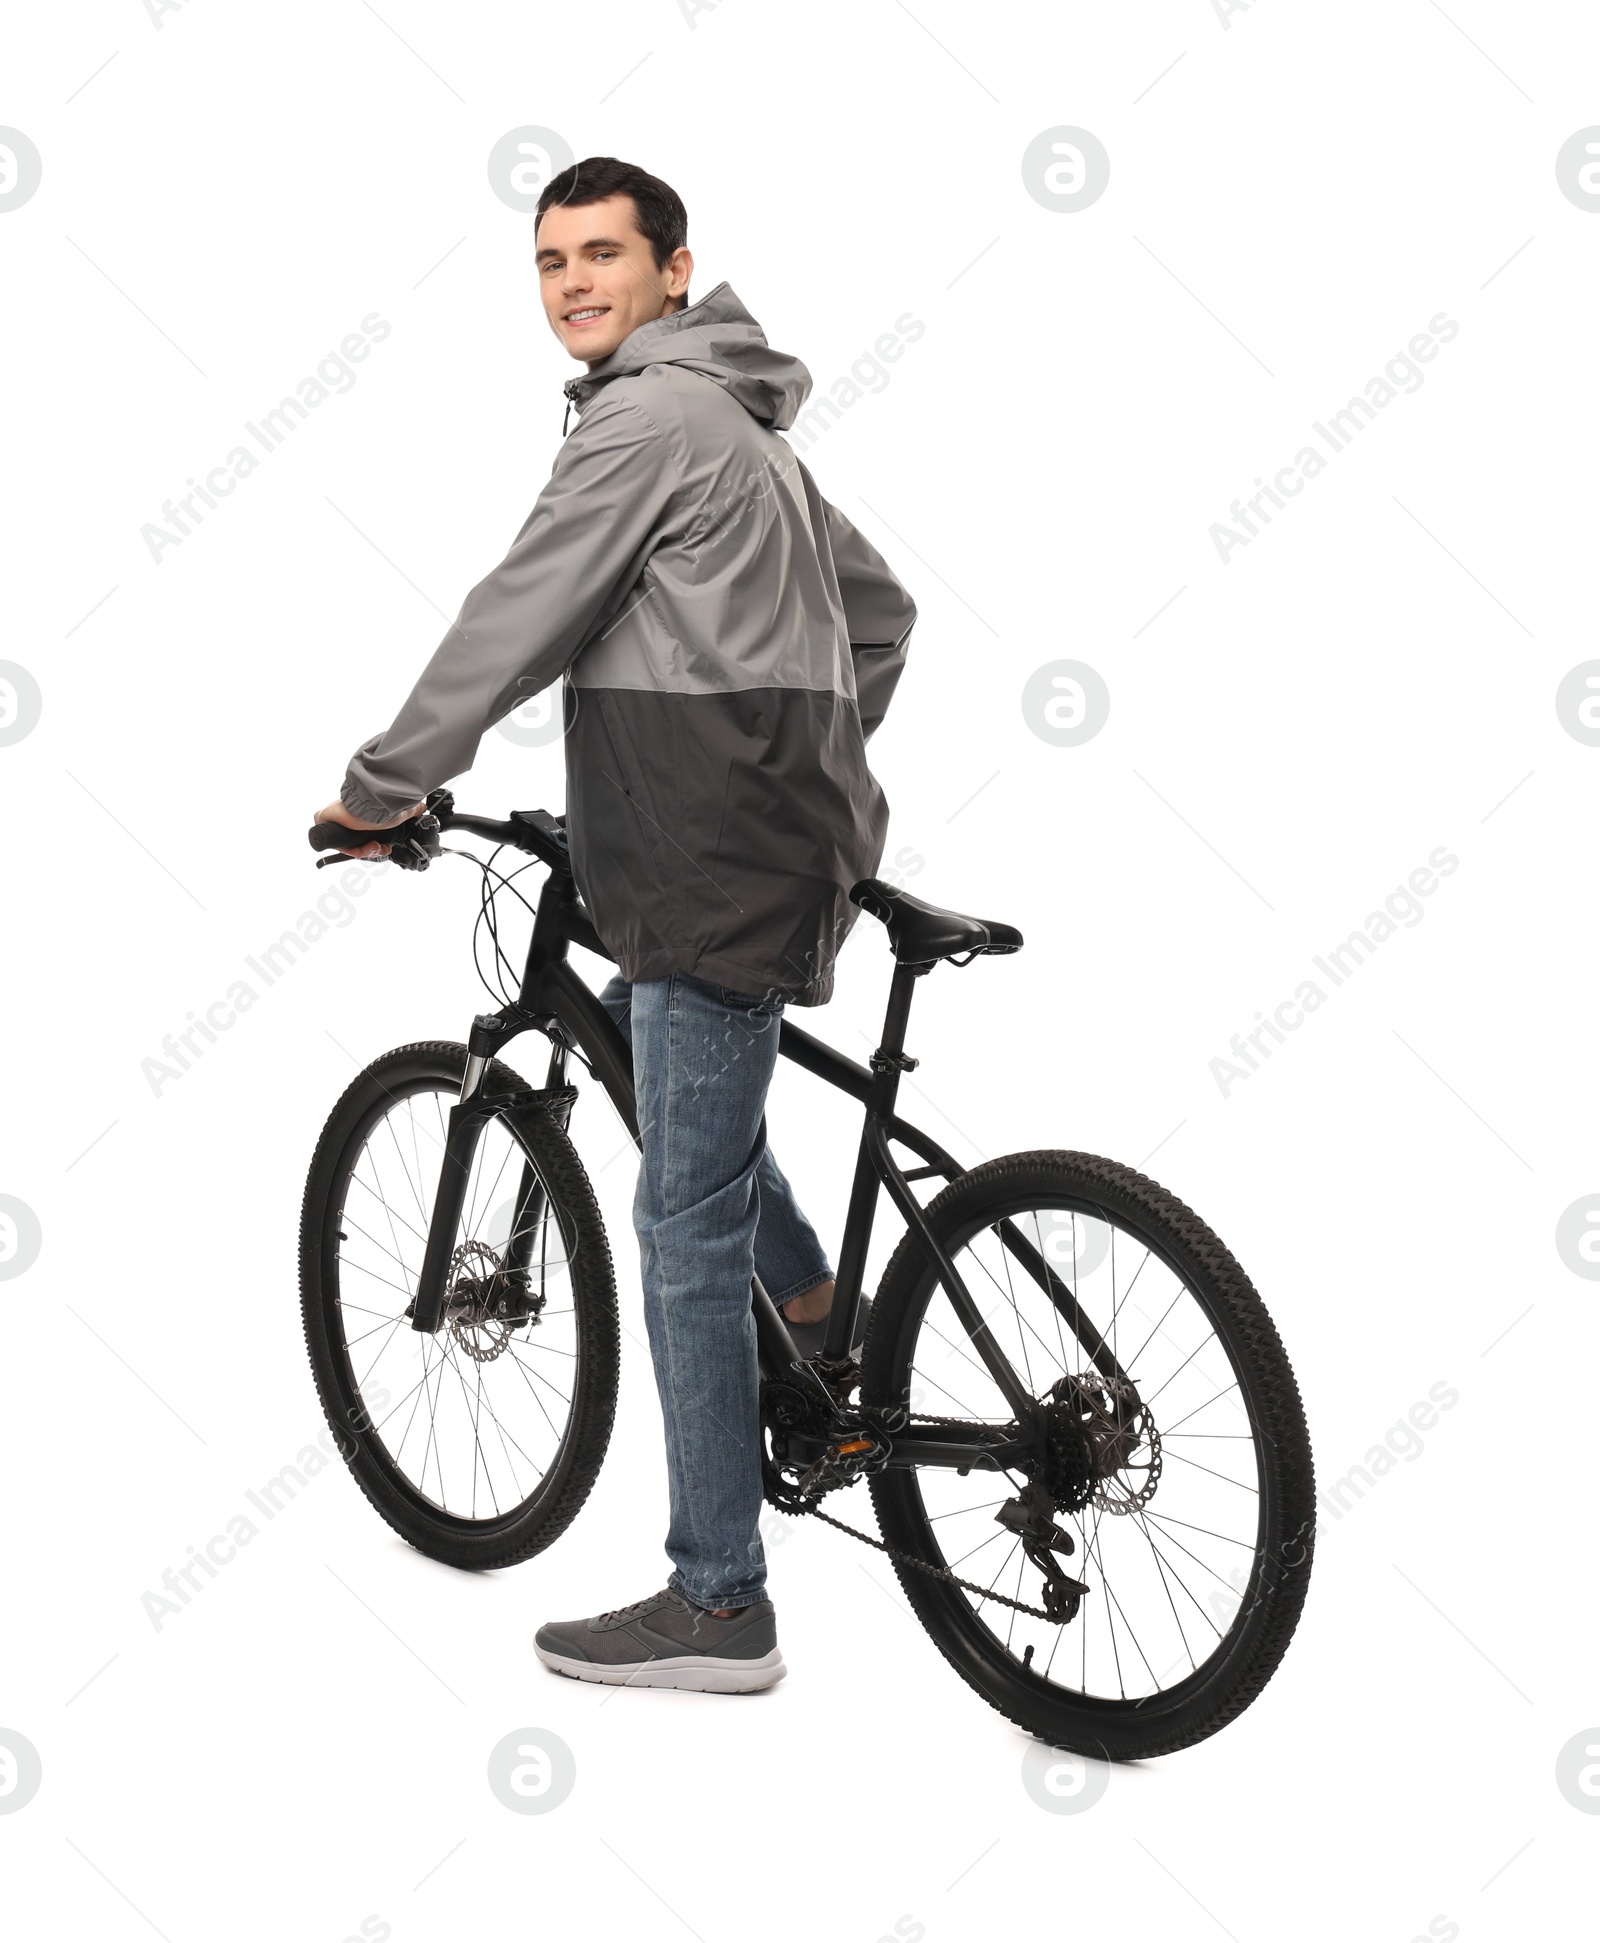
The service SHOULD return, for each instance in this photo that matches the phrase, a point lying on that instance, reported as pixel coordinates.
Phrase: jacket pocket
(748, 1001)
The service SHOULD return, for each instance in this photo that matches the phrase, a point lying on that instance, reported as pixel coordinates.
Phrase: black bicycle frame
(554, 1000)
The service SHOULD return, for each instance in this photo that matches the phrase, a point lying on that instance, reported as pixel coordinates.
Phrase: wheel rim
(1170, 1539)
(468, 1423)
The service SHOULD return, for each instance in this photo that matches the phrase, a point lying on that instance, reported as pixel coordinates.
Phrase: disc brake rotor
(1103, 1416)
(474, 1271)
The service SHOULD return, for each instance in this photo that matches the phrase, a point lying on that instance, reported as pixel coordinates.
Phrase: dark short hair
(658, 209)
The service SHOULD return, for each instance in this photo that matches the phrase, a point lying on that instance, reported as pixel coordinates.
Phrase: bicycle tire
(1271, 1602)
(518, 1533)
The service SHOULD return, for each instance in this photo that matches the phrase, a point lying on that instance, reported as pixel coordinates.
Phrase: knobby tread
(551, 1509)
(1271, 1612)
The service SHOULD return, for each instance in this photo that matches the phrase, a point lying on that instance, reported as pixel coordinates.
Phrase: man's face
(598, 277)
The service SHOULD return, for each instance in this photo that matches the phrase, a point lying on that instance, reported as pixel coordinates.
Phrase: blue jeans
(711, 1206)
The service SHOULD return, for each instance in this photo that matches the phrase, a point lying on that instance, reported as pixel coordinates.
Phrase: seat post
(890, 1059)
(898, 1015)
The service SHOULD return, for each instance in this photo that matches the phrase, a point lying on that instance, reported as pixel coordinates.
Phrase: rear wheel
(1184, 1496)
(478, 1443)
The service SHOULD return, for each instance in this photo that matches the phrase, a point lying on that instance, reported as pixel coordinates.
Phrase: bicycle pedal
(840, 1464)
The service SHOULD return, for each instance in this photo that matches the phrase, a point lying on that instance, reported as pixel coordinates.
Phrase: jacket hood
(718, 338)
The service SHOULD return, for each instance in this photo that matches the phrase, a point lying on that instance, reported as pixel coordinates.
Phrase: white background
(1372, 677)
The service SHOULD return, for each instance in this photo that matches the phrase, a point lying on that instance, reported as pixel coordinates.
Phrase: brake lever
(412, 845)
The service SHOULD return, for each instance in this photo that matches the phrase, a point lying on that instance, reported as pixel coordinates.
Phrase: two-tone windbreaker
(727, 640)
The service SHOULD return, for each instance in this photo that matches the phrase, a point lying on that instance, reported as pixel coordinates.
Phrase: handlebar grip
(411, 843)
(338, 836)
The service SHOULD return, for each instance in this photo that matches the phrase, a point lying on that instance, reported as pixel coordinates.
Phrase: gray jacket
(728, 642)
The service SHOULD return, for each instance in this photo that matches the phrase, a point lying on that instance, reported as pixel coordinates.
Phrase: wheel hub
(1101, 1445)
(483, 1302)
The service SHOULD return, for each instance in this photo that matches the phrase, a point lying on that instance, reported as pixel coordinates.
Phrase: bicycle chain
(806, 1508)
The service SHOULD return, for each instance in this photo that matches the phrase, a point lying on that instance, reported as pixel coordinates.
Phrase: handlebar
(414, 844)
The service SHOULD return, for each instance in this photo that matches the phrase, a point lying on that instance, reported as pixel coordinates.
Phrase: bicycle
(460, 1312)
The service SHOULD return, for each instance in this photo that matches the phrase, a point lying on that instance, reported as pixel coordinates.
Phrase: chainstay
(805, 1510)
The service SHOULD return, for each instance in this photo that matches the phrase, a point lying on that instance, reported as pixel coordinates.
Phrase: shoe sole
(693, 1672)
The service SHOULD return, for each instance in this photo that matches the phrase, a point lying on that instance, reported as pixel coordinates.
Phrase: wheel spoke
(1157, 1504)
(1206, 1405)
(1216, 1474)
(477, 1413)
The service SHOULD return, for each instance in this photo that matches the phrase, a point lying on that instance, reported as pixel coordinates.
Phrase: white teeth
(577, 316)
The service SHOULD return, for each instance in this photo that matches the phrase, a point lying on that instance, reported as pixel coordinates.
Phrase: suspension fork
(528, 1212)
(462, 1132)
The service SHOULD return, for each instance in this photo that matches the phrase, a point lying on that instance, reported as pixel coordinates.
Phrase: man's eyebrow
(594, 243)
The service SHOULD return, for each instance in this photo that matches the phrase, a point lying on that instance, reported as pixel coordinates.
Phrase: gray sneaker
(667, 1641)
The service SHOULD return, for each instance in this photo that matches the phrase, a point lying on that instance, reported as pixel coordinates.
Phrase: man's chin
(592, 345)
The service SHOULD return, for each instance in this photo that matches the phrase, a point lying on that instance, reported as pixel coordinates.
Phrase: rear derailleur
(1031, 1515)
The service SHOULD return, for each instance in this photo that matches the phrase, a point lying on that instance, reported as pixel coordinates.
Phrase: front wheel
(478, 1443)
(1168, 1453)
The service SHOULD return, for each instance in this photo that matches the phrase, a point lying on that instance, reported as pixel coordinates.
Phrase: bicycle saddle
(921, 933)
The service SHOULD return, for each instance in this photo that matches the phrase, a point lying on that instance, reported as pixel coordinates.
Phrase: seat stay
(1066, 1303)
(979, 1334)
(817, 1057)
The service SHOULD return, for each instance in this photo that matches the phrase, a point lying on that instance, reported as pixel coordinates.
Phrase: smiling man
(727, 642)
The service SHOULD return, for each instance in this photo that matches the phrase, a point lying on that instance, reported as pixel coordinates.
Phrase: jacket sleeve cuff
(368, 808)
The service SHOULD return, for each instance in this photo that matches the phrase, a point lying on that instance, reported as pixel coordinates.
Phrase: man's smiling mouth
(587, 315)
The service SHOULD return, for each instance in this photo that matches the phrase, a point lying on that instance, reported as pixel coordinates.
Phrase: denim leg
(789, 1257)
(701, 1071)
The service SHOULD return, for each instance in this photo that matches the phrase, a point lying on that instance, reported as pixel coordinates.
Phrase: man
(728, 641)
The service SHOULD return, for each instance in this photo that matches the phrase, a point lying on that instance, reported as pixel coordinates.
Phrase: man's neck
(668, 309)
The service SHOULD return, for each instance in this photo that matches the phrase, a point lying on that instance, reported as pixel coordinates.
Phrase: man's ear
(677, 270)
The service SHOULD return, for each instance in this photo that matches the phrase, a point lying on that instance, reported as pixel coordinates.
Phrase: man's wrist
(372, 814)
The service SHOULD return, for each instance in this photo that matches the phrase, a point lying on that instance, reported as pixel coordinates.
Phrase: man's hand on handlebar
(413, 837)
(337, 813)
